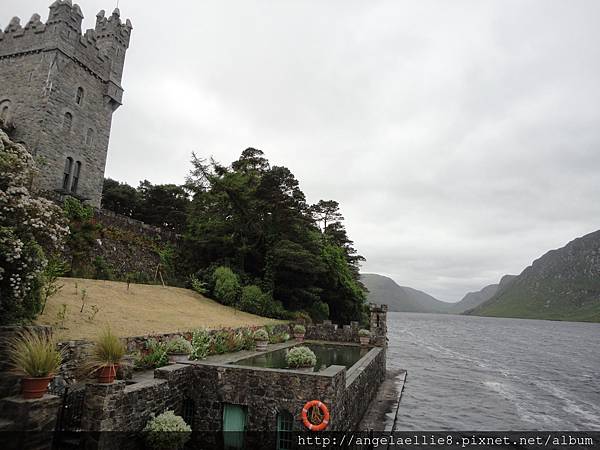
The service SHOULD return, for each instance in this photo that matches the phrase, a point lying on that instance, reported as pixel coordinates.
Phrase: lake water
(327, 355)
(476, 373)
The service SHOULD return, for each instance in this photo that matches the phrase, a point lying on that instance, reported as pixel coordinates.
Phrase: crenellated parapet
(101, 49)
(112, 27)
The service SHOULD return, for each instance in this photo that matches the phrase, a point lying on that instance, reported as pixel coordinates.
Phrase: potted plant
(36, 357)
(106, 355)
(178, 349)
(262, 338)
(299, 332)
(167, 431)
(301, 358)
(364, 336)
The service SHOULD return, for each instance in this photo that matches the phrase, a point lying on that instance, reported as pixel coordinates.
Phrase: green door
(234, 424)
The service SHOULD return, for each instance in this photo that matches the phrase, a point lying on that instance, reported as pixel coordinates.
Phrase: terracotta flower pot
(35, 387)
(261, 346)
(107, 374)
(299, 337)
(364, 340)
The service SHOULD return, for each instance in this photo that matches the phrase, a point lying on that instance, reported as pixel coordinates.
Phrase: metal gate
(68, 423)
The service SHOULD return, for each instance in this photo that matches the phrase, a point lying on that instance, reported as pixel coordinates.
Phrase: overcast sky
(461, 138)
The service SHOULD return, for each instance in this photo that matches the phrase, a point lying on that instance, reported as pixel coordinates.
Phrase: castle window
(4, 109)
(79, 97)
(76, 173)
(89, 139)
(67, 121)
(285, 421)
(67, 175)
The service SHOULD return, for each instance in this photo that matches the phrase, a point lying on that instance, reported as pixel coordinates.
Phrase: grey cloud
(460, 138)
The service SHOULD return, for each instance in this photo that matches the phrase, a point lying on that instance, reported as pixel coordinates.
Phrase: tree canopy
(254, 218)
(248, 225)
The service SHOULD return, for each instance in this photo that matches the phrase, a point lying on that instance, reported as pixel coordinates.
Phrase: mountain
(563, 284)
(473, 299)
(401, 298)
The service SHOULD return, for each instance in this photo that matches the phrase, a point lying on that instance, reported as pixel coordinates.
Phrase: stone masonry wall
(127, 408)
(264, 392)
(364, 379)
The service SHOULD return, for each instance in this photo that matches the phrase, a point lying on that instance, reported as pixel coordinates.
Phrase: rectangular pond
(327, 355)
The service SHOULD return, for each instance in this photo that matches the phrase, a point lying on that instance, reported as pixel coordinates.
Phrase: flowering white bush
(167, 430)
(30, 228)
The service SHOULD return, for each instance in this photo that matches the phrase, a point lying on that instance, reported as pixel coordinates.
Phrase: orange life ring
(307, 423)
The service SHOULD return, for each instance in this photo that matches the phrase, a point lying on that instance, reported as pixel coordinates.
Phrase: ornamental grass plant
(108, 351)
(34, 354)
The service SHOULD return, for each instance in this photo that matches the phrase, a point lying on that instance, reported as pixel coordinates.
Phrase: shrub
(167, 431)
(34, 354)
(261, 335)
(319, 311)
(364, 333)
(179, 345)
(276, 338)
(247, 339)
(300, 357)
(198, 285)
(31, 229)
(155, 357)
(227, 286)
(299, 329)
(108, 350)
(219, 343)
(200, 344)
(301, 316)
(253, 300)
(103, 269)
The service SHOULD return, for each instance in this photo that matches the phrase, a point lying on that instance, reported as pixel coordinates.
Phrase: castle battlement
(101, 49)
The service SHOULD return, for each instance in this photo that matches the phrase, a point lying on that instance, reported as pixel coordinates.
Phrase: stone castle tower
(59, 88)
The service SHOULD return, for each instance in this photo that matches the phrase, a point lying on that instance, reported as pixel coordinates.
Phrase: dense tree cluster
(163, 205)
(253, 218)
(251, 240)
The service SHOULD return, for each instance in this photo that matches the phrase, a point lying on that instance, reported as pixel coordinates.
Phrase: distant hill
(563, 284)
(473, 299)
(401, 298)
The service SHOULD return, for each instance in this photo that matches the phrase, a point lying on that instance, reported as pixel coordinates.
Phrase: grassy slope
(523, 302)
(144, 309)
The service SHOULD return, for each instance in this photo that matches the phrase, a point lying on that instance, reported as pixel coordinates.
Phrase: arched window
(67, 121)
(284, 430)
(89, 138)
(76, 174)
(67, 174)
(79, 97)
(4, 109)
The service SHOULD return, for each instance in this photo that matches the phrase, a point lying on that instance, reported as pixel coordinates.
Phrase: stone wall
(110, 219)
(264, 393)
(125, 247)
(127, 408)
(28, 424)
(365, 378)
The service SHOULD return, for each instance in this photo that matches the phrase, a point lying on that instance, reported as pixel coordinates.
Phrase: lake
(479, 373)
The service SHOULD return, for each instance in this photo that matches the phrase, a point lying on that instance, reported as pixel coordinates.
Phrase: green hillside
(384, 290)
(564, 284)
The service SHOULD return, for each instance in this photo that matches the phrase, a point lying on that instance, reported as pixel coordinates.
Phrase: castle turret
(65, 17)
(60, 88)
